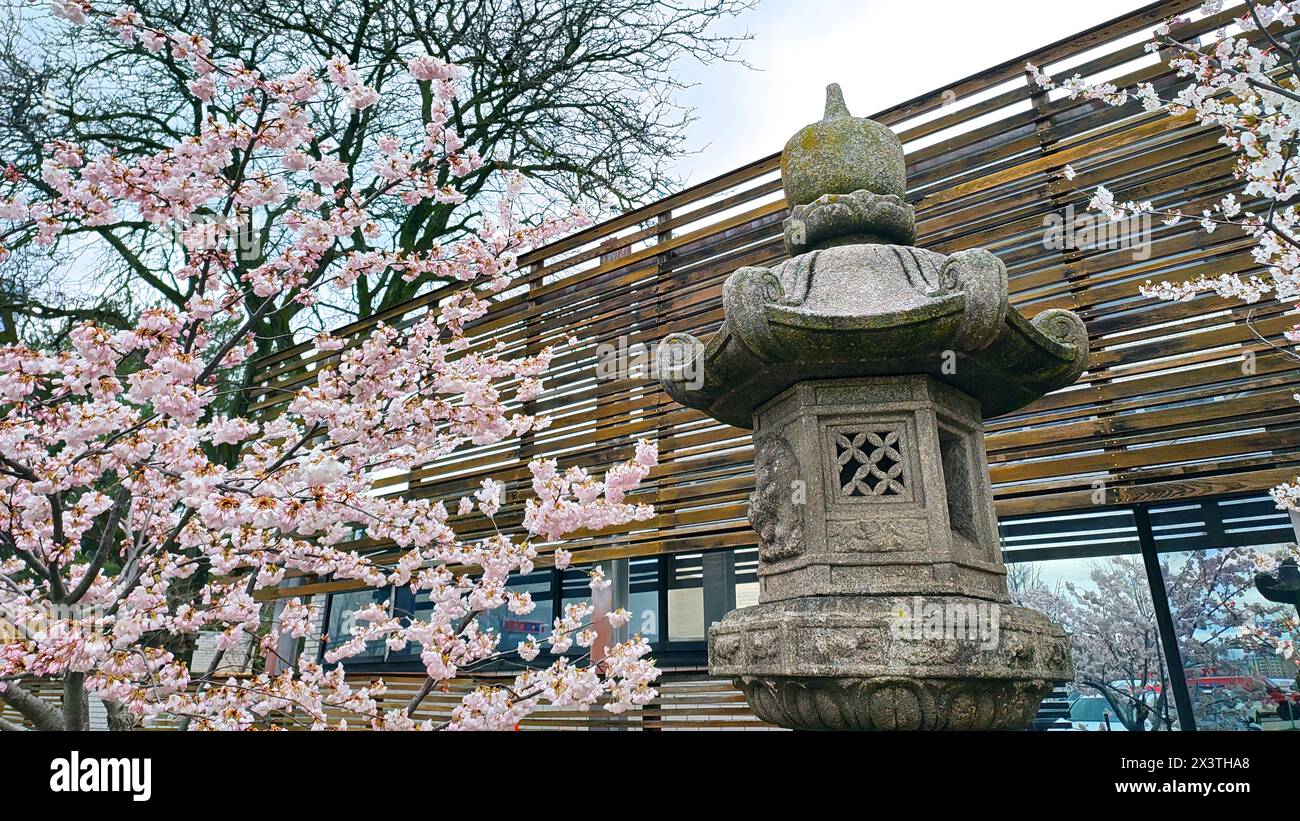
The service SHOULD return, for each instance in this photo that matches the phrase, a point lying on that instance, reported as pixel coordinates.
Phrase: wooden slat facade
(1179, 400)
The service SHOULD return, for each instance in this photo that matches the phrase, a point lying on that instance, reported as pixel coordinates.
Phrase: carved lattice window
(868, 463)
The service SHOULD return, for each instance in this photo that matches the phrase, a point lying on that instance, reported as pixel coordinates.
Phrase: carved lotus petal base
(890, 662)
(894, 703)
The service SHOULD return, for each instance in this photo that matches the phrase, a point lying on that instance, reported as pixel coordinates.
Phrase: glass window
(576, 585)
(1103, 532)
(407, 605)
(686, 597)
(1105, 605)
(1085, 570)
(577, 589)
(342, 619)
(1235, 682)
(643, 597)
(514, 628)
(704, 587)
(746, 577)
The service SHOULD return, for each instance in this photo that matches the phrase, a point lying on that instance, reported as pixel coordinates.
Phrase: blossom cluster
(1244, 90)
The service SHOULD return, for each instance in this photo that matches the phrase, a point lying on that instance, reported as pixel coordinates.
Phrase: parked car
(1282, 700)
(1090, 713)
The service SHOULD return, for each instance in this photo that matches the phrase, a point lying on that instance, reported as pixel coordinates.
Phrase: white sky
(881, 52)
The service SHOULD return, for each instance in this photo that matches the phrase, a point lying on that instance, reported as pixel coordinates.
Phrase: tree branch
(42, 714)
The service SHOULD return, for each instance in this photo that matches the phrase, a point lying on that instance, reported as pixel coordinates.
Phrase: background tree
(1115, 639)
(576, 95)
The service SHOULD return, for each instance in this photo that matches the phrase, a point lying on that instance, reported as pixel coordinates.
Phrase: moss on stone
(841, 154)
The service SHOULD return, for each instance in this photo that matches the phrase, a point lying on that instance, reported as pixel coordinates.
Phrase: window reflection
(643, 597)
(746, 570)
(514, 628)
(1235, 681)
(1104, 603)
(1066, 566)
(686, 597)
(342, 619)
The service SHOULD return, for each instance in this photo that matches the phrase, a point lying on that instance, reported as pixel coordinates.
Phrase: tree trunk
(76, 708)
(118, 718)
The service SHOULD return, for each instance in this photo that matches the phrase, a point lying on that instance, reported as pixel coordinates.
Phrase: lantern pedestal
(865, 366)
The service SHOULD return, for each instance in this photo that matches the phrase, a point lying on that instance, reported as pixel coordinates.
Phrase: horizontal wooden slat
(1179, 400)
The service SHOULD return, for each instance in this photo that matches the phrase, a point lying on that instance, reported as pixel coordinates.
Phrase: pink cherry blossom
(427, 68)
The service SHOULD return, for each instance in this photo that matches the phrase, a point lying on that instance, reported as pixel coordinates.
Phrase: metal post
(1164, 620)
(719, 585)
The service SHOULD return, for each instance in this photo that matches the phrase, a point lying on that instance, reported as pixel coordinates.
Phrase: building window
(643, 597)
(514, 628)
(1145, 590)
(746, 576)
(1121, 674)
(1233, 682)
(342, 618)
(686, 597)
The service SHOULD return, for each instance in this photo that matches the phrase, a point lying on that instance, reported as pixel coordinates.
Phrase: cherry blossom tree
(122, 534)
(1114, 638)
(580, 96)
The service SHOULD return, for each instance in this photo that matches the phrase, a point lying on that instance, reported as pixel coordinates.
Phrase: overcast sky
(881, 51)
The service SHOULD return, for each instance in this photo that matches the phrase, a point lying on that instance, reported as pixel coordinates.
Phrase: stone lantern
(864, 366)
(1281, 584)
